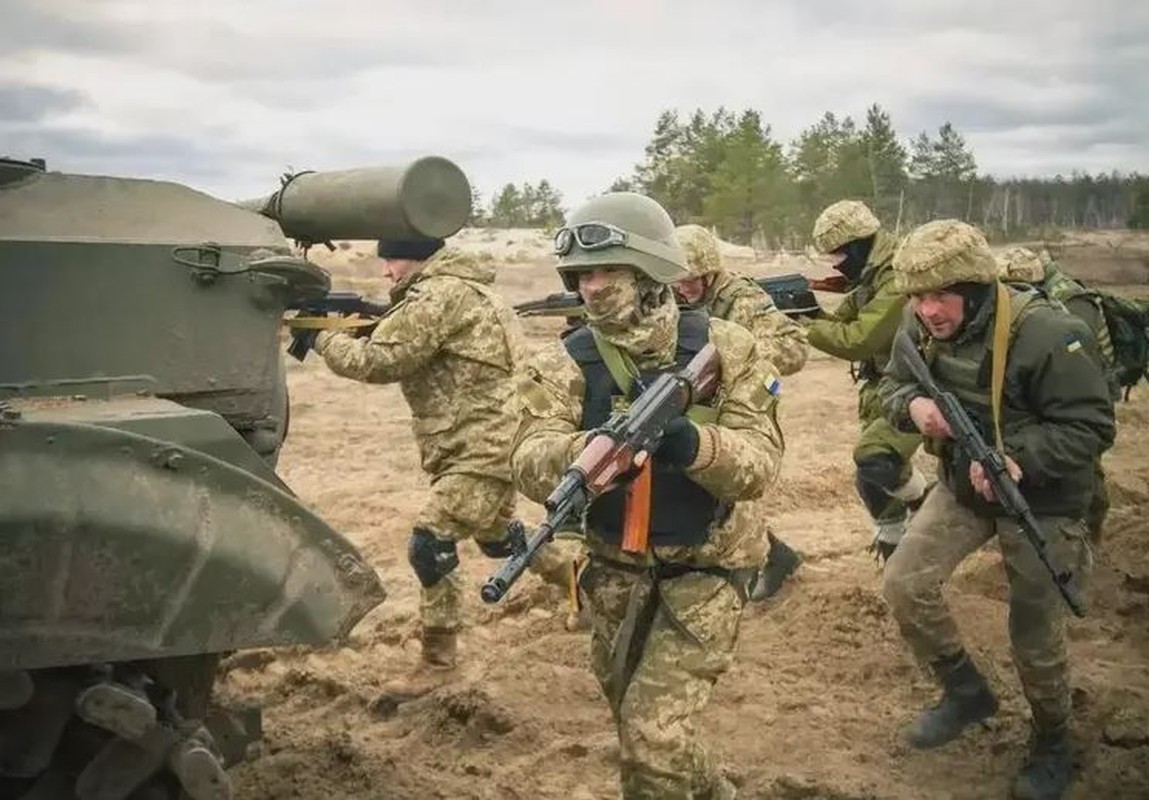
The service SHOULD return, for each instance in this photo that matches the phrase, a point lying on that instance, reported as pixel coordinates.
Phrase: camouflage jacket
(453, 345)
(739, 299)
(747, 443)
(862, 327)
(1057, 417)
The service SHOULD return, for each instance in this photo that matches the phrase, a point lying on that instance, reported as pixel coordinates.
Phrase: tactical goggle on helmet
(594, 237)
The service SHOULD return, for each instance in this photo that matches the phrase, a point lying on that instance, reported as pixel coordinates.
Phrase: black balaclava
(857, 253)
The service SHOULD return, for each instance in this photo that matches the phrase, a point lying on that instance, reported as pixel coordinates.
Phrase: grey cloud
(583, 142)
(493, 88)
(39, 24)
(34, 103)
(150, 155)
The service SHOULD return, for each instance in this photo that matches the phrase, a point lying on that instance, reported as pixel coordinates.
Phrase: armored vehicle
(144, 532)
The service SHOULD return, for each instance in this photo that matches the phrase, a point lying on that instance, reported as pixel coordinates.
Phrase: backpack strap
(1004, 327)
(618, 362)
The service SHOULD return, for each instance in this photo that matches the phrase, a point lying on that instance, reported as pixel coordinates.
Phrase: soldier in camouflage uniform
(453, 345)
(1019, 265)
(1055, 419)
(861, 330)
(665, 622)
(727, 295)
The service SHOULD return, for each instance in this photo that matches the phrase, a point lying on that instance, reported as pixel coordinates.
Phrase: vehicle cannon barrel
(429, 197)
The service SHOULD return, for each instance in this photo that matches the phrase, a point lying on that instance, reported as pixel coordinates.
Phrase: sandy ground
(821, 684)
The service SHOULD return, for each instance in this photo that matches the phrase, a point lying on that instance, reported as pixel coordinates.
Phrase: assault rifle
(610, 456)
(792, 293)
(310, 317)
(970, 440)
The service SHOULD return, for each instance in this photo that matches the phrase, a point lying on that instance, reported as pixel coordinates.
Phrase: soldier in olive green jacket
(861, 330)
(1019, 265)
(1055, 419)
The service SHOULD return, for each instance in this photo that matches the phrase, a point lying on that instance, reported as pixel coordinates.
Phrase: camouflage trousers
(880, 441)
(657, 684)
(466, 506)
(940, 536)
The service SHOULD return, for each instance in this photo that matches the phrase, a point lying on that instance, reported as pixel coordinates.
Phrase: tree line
(728, 171)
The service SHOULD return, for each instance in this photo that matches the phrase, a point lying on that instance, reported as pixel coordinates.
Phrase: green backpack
(1128, 323)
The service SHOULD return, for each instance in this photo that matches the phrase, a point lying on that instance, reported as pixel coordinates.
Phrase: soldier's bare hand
(929, 419)
(980, 482)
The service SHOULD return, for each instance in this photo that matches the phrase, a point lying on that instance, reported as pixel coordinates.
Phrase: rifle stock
(608, 457)
(970, 440)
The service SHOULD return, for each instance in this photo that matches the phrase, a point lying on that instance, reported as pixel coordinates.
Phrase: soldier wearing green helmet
(664, 623)
(1020, 265)
(1053, 419)
(728, 295)
(861, 330)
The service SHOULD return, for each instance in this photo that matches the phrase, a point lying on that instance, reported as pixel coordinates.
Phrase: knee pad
(432, 558)
(514, 542)
(876, 478)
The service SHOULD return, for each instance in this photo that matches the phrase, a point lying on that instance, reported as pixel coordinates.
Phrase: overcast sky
(227, 94)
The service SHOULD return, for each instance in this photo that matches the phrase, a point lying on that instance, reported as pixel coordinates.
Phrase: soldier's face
(398, 268)
(690, 291)
(941, 312)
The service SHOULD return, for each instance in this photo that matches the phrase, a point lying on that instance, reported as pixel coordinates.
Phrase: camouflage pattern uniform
(657, 669)
(452, 345)
(861, 330)
(738, 299)
(1056, 419)
(1022, 266)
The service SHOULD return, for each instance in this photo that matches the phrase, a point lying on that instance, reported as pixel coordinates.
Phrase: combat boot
(440, 647)
(1048, 768)
(781, 561)
(966, 699)
(435, 669)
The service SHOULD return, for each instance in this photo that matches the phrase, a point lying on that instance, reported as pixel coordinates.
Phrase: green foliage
(727, 171)
(1139, 218)
(526, 206)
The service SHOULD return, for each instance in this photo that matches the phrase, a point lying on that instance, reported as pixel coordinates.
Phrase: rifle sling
(329, 323)
(1005, 325)
(624, 372)
(1001, 326)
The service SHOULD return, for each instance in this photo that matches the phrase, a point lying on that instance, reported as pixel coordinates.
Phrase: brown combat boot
(436, 668)
(440, 647)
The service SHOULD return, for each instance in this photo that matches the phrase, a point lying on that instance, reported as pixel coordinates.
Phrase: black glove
(679, 445)
(302, 340)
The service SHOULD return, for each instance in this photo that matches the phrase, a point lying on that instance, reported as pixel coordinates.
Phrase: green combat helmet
(842, 223)
(620, 229)
(1020, 265)
(700, 247)
(940, 254)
